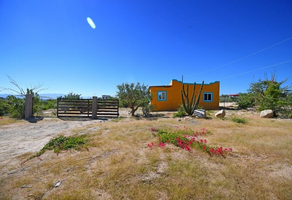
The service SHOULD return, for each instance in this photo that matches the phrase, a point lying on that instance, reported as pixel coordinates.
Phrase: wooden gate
(105, 108)
(74, 107)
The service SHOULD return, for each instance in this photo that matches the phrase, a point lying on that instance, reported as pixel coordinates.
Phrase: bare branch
(20, 91)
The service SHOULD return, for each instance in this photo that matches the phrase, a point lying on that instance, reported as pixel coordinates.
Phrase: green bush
(4, 107)
(147, 109)
(62, 143)
(180, 112)
(49, 104)
(245, 100)
(16, 107)
(239, 120)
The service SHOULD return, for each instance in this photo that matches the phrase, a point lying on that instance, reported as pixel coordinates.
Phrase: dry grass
(7, 120)
(119, 165)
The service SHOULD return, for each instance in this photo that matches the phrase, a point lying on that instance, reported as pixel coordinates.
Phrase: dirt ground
(260, 155)
(20, 138)
(24, 137)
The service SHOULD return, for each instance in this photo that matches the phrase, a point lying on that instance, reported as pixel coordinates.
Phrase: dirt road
(17, 139)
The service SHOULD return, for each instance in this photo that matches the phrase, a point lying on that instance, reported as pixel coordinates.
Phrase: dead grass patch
(119, 165)
(7, 120)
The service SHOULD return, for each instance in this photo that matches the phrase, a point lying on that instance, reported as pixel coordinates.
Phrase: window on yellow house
(208, 97)
(161, 95)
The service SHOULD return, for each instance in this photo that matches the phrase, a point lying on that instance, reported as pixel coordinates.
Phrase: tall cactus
(190, 105)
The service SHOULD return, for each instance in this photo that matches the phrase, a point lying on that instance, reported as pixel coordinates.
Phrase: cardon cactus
(190, 105)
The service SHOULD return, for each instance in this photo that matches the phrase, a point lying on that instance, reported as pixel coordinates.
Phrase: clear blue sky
(146, 41)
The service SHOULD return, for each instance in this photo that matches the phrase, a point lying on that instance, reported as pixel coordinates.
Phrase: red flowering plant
(187, 139)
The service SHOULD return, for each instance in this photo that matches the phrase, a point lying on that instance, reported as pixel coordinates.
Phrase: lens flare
(90, 22)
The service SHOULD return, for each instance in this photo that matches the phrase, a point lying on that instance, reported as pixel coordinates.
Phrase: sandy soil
(20, 138)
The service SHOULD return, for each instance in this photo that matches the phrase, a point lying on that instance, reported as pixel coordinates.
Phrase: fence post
(94, 107)
(28, 106)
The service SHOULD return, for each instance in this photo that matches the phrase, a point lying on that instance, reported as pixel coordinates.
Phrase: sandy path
(17, 139)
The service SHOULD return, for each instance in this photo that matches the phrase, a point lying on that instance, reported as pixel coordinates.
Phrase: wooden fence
(90, 108)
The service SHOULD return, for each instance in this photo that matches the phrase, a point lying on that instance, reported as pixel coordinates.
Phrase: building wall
(173, 100)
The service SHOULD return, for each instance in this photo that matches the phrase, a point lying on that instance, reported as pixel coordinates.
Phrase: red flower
(161, 144)
(151, 145)
(187, 147)
(204, 147)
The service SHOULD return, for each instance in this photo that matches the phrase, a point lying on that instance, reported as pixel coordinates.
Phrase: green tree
(16, 106)
(270, 94)
(133, 95)
(245, 100)
(4, 107)
(72, 95)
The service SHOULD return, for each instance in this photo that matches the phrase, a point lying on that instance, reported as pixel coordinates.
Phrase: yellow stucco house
(168, 97)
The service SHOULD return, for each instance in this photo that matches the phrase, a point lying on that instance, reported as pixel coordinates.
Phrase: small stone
(200, 113)
(267, 114)
(220, 114)
(188, 118)
(179, 119)
(26, 186)
(58, 183)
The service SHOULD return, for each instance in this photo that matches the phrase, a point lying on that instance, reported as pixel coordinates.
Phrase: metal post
(94, 107)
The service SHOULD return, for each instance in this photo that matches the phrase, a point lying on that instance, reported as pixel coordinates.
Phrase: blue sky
(150, 42)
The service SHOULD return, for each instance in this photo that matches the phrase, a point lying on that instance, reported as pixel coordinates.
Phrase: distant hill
(43, 96)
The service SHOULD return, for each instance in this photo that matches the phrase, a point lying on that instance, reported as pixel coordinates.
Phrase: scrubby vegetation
(130, 160)
(14, 107)
(62, 143)
(268, 94)
(133, 96)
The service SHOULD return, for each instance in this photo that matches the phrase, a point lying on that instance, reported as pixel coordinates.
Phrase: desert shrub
(270, 94)
(62, 143)
(4, 107)
(72, 95)
(147, 109)
(180, 112)
(245, 100)
(37, 108)
(49, 104)
(239, 120)
(16, 107)
(133, 95)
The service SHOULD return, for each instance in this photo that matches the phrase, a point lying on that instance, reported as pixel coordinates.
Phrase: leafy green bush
(180, 112)
(245, 100)
(239, 120)
(49, 104)
(61, 143)
(16, 106)
(147, 109)
(4, 107)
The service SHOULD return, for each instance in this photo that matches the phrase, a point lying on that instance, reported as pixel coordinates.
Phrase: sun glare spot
(90, 22)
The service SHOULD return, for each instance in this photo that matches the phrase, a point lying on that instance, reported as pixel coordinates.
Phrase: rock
(179, 119)
(220, 114)
(251, 109)
(188, 118)
(58, 183)
(200, 113)
(267, 114)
